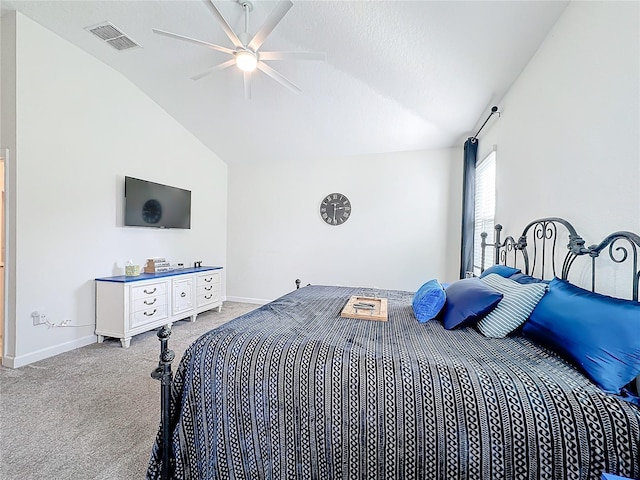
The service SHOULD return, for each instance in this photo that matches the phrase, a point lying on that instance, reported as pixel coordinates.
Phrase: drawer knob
(150, 314)
(183, 294)
(152, 291)
(150, 303)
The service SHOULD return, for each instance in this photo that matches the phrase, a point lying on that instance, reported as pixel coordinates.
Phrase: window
(485, 209)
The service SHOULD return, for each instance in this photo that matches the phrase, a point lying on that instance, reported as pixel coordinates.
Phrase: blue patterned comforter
(294, 391)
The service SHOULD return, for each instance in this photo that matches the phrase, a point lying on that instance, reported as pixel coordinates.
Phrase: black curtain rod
(494, 109)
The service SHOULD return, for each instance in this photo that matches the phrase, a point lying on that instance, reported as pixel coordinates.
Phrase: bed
(293, 390)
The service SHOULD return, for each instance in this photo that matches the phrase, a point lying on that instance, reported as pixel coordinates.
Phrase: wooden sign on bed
(366, 308)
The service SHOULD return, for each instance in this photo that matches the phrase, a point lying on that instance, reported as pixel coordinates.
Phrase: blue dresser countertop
(151, 276)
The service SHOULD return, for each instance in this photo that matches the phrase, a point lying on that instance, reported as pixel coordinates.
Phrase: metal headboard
(537, 251)
(622, 252)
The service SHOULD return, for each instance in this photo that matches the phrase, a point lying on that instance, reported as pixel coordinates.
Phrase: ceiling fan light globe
(246, 61)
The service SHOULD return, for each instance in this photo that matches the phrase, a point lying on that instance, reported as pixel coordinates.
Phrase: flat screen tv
(149, 204)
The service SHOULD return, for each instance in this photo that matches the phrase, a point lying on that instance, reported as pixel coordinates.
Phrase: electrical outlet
(38, 318)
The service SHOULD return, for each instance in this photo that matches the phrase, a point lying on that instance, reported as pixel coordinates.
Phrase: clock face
(151, 211)
(335, 209)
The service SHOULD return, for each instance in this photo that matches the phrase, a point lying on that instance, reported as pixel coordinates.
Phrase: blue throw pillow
(468, 300)
(428, 301)
(598, 333)
(525, 279)
(502, 270)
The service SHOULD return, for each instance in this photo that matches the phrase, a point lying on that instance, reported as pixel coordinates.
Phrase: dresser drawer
(208, 289)
(208, 279)
(151, 314)
(148, 290)
(149, 302)
(206, 299)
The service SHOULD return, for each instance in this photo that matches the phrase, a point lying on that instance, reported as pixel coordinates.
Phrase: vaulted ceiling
(399, 75)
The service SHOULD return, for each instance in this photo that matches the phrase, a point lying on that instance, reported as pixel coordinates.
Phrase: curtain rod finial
(494, 109)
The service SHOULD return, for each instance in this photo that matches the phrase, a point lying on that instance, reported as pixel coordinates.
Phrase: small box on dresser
(127, 306)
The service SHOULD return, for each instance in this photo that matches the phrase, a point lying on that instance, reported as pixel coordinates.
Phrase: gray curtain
(468, 205)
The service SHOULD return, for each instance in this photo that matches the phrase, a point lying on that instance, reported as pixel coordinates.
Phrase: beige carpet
(91, 413)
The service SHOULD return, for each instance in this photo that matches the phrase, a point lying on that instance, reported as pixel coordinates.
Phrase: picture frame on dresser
(130, 305)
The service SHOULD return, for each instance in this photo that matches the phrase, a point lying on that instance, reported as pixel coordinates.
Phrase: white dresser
(127, 306)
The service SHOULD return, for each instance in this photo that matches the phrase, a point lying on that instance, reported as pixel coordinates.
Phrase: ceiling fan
(246, 53)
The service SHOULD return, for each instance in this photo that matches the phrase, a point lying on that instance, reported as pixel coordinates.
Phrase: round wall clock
(151, 211)
(335, 209)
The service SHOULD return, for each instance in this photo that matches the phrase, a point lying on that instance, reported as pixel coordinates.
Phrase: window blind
(485, 209)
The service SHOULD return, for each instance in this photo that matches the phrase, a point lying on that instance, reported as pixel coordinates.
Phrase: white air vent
(112, 35)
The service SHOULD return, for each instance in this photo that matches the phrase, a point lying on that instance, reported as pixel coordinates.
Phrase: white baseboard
(256, 301)
(22, 360)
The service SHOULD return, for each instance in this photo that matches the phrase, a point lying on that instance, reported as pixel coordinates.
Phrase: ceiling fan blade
(292, 56)
(278, 77)
(247, 85)
(270, 23)
(223, 23)
(221, 66)
(193, 40)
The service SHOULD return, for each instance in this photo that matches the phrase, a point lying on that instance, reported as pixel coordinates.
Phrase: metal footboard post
(496, 244)
(163, 373)
(483, 246)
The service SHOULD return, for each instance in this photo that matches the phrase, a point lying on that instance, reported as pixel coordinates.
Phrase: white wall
(406, 208)
(569, 136)
(81, 127)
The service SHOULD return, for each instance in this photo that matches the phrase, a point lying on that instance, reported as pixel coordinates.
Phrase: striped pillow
(518, 302)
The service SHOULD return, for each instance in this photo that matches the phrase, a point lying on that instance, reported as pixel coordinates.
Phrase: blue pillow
(468, 300)
(428, 301)
(526, 279)
(598, 333)
(502, 270)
